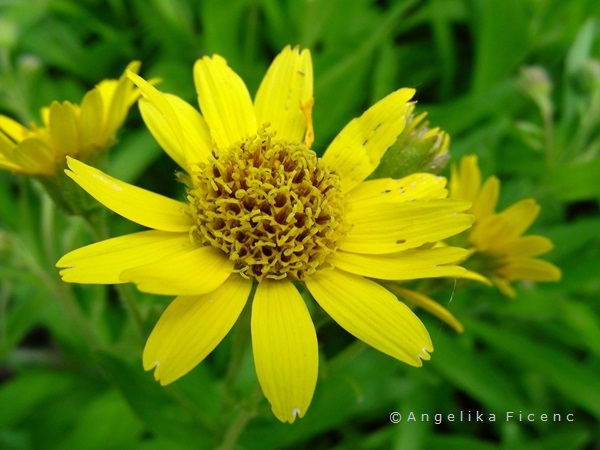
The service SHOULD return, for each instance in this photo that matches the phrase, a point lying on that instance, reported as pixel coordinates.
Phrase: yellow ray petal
(7, 151)
(372, 314)
(494, 231)
(520, 217)
(176, 147)
(285, 348)
(530, 269)
(136, 204)
(429, 305)
(194, 271)
(528, 246)
(287, 85)
(34, 156)
(103, 262)
(9, 166)
(490, 231)
(358, 149)
(191, 327)
(14, 130)
(117, 99)
(465, 183)
(378, 228)
(487, 199)
(504, 286)
(474, 276)
(90, 118)
(406, 265)
(224, 101)
(418, 186)
(64, 129)
(194, 129)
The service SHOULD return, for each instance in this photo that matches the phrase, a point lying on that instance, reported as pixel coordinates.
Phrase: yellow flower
(499, 250)
(69, 129)
(263, 209)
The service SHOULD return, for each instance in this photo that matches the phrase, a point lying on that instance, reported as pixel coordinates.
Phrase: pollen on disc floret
(271, 205)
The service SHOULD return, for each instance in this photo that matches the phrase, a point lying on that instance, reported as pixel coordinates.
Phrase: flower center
(271, 205)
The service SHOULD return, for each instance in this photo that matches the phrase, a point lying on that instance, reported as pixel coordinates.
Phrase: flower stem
(346, 355)
(242, 420)
(247, 408)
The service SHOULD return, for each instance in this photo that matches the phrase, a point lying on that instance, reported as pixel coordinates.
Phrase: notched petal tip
(296, 413)
(151, 365)
(290, 418)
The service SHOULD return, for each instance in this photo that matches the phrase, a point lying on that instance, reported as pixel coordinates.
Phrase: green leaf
(582, 46)
(474, 373)
(577, 181)
(21, 317)
(161, 412)
(560, 437)
(575, 380)
(26, 392)
(583, 321)
(106, 423)
(457, 442)
(501, 29)
(570, 238)
(338, 88)
(465, 114)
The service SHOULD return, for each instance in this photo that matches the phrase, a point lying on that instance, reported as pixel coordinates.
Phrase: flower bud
(418, 149)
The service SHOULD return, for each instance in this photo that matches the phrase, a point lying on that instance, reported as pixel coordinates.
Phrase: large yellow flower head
(79, 131)
(263, 209)
(499, 250)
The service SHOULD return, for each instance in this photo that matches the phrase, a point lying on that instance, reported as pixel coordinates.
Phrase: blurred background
(516, 82)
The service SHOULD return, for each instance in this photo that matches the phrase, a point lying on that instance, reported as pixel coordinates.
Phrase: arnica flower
(263, 209)
(68, 129)
(499, 252)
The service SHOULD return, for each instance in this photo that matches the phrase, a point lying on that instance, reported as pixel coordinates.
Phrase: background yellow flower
(81, 131)
(499, 250)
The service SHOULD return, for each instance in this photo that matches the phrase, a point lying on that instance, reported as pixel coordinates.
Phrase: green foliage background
(70, 368)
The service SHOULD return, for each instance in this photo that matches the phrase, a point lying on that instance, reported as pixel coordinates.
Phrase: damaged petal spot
(105, 180)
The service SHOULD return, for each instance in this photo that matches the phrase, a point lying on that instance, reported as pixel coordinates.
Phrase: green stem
(247, 408)
(4, 292)
(240, 423)
(35, 251)
(549, 135)
(241, 332)
(346, 355)
(48, 228)
(130, 303)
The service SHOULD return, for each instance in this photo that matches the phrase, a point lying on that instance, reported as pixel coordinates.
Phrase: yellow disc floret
(271, 205)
